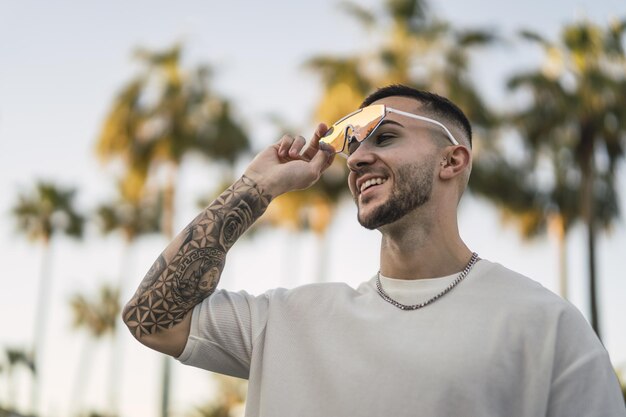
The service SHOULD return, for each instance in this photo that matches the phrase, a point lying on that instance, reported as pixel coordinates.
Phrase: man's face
(392, 172)
(410, 189)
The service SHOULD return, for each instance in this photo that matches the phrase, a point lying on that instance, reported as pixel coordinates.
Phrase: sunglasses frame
(385, 110)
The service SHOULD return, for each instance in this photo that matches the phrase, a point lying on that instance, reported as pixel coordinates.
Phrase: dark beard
(412, 188)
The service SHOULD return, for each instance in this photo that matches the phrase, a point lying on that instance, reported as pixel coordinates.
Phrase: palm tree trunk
(563, 274)
(10, 405)
(587, 205)
(557, 227)
(169, 200)
(169, 197)
(593, 290)
(289, 276)
(166, 383)
(323, 243)
(41, 323)
(117, 346)
(5, 396)
(81, 379)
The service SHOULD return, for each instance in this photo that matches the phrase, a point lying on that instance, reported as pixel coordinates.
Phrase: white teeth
(370, 182)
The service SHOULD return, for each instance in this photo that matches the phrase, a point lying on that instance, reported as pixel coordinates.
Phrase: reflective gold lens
(335, 136)
(358, 125)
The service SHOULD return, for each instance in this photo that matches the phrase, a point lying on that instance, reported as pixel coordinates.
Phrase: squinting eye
(383, 138)
(353, 146)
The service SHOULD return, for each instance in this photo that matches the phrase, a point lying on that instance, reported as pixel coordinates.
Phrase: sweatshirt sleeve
(223, 330)
(583, 383)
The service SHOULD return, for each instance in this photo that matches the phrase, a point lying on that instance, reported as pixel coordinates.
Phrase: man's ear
(454, 162)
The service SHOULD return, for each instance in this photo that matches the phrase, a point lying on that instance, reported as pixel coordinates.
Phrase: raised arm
(188, 270)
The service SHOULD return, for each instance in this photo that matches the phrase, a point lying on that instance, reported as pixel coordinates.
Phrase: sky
(64, 61)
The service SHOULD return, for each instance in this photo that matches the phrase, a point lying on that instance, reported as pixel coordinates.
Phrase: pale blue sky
(63, 61)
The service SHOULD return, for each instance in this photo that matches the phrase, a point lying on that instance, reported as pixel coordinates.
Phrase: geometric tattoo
(190, 267)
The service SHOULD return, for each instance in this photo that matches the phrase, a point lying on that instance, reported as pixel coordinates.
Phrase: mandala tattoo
(174, 286)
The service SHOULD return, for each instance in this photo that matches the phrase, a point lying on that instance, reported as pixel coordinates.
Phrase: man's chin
(367, 225)
(379, 216)
(371, 221)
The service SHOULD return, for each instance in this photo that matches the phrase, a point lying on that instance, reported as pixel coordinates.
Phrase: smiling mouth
(372, 182)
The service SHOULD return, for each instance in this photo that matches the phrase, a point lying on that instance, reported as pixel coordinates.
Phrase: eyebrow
(388, 121)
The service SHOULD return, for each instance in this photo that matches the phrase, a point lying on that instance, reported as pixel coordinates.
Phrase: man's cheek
(352, 187)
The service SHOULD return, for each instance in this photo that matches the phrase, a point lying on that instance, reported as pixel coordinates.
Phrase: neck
(415, 249)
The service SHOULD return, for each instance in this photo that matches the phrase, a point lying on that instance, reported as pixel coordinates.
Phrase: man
(437, 332)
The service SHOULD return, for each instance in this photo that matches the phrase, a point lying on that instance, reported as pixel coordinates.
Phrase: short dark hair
(433, 103)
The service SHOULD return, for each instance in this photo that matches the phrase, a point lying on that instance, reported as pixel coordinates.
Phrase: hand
(283, 167)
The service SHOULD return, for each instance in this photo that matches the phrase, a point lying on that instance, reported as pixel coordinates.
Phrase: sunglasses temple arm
(425, 119)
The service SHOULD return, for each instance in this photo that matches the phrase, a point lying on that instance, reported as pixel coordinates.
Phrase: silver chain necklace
(453, 284)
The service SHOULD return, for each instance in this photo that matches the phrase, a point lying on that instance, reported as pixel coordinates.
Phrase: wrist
(263, 187)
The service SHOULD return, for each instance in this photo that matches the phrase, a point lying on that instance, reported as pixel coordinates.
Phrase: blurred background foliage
(570, 120)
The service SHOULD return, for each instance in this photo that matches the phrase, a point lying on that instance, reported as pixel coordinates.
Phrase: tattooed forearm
(190, 267)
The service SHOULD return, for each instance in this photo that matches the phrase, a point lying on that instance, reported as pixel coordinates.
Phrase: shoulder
(503, 282)
(527, 298)
(310, 301)
(316, 292)
(533, 311)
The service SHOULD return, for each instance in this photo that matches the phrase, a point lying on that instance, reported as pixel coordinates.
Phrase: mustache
(359, 172)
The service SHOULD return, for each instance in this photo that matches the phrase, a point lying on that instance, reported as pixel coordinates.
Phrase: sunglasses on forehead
(361, 124)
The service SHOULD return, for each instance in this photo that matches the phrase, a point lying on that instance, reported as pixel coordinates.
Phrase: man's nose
(360, 156)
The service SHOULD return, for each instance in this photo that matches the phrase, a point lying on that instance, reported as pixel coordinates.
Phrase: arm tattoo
(176, 283)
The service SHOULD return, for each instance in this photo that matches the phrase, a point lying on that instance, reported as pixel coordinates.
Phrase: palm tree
(536, 209)
(230, 398)
(344, 84)
(98, 317)
(416, 49)
(159, 117)
(15, 358)
(574, 120)
(303, 211)
(41, 214)
(133, 219)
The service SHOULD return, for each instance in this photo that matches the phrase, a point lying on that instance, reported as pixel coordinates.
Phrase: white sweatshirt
(499, 344)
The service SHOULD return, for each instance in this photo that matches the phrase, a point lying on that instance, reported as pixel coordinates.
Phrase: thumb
(322, 160)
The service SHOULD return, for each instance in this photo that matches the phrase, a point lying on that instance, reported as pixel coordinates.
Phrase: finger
(322, 160)
(314, 145)
(284, 145)
(296, 147)
(319, 133)
(327, 148)
(330, 155)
